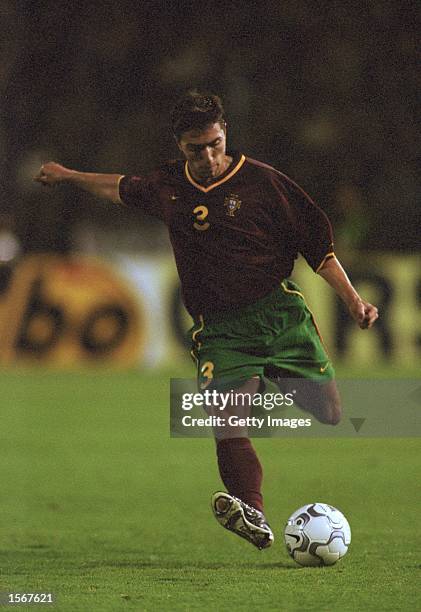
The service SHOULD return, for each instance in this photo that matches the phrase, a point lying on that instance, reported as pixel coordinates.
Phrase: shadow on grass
(45, 557)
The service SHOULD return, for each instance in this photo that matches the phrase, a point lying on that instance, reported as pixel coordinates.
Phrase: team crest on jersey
(233, 203)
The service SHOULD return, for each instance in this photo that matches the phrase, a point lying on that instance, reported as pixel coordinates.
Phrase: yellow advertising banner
(69, 311)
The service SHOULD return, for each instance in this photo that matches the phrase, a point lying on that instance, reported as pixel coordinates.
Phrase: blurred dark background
(324, 91)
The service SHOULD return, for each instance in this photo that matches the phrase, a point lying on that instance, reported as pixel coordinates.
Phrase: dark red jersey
(237, 238)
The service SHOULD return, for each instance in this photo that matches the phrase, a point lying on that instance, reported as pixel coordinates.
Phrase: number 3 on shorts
(206, 371)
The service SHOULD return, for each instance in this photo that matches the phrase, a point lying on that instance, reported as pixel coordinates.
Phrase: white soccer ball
(317, 534)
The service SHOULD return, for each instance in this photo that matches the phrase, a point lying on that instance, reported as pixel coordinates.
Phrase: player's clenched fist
(51, 173)
(364, 313)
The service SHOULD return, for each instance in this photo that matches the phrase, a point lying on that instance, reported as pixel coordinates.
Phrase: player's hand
(52, 173)
(364, 313)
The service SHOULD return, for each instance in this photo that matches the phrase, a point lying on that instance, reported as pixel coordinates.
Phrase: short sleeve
(312, 228)
(140, 193)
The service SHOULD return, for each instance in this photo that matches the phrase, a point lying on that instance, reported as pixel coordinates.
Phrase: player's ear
(177, 140)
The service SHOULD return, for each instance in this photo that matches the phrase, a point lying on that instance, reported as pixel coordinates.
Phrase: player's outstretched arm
(361, 311)
(101, 185)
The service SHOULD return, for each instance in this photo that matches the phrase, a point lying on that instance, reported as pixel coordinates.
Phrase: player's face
(205, 151)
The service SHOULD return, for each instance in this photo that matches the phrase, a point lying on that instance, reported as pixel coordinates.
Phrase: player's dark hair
(196, 110)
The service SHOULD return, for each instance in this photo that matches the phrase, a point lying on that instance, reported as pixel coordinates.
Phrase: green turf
(102, 508)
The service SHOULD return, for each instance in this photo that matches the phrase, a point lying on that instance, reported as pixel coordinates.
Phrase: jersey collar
(238, 161)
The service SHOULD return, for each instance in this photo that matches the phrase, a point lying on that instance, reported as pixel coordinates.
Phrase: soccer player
(236, 226)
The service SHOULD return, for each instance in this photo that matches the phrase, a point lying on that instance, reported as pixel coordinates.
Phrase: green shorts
(274, 337)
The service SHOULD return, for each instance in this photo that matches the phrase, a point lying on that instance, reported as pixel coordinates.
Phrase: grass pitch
(100, 507)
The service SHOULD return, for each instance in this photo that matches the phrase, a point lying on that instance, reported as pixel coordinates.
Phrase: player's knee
(333, 413)
(329, 413)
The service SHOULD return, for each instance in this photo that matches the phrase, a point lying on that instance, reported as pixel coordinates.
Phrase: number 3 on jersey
(201, 213)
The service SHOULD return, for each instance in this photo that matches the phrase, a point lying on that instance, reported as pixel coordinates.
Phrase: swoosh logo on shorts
(324, 368)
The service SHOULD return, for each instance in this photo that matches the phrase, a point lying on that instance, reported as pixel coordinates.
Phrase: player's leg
(300, 354)
(224, 367)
